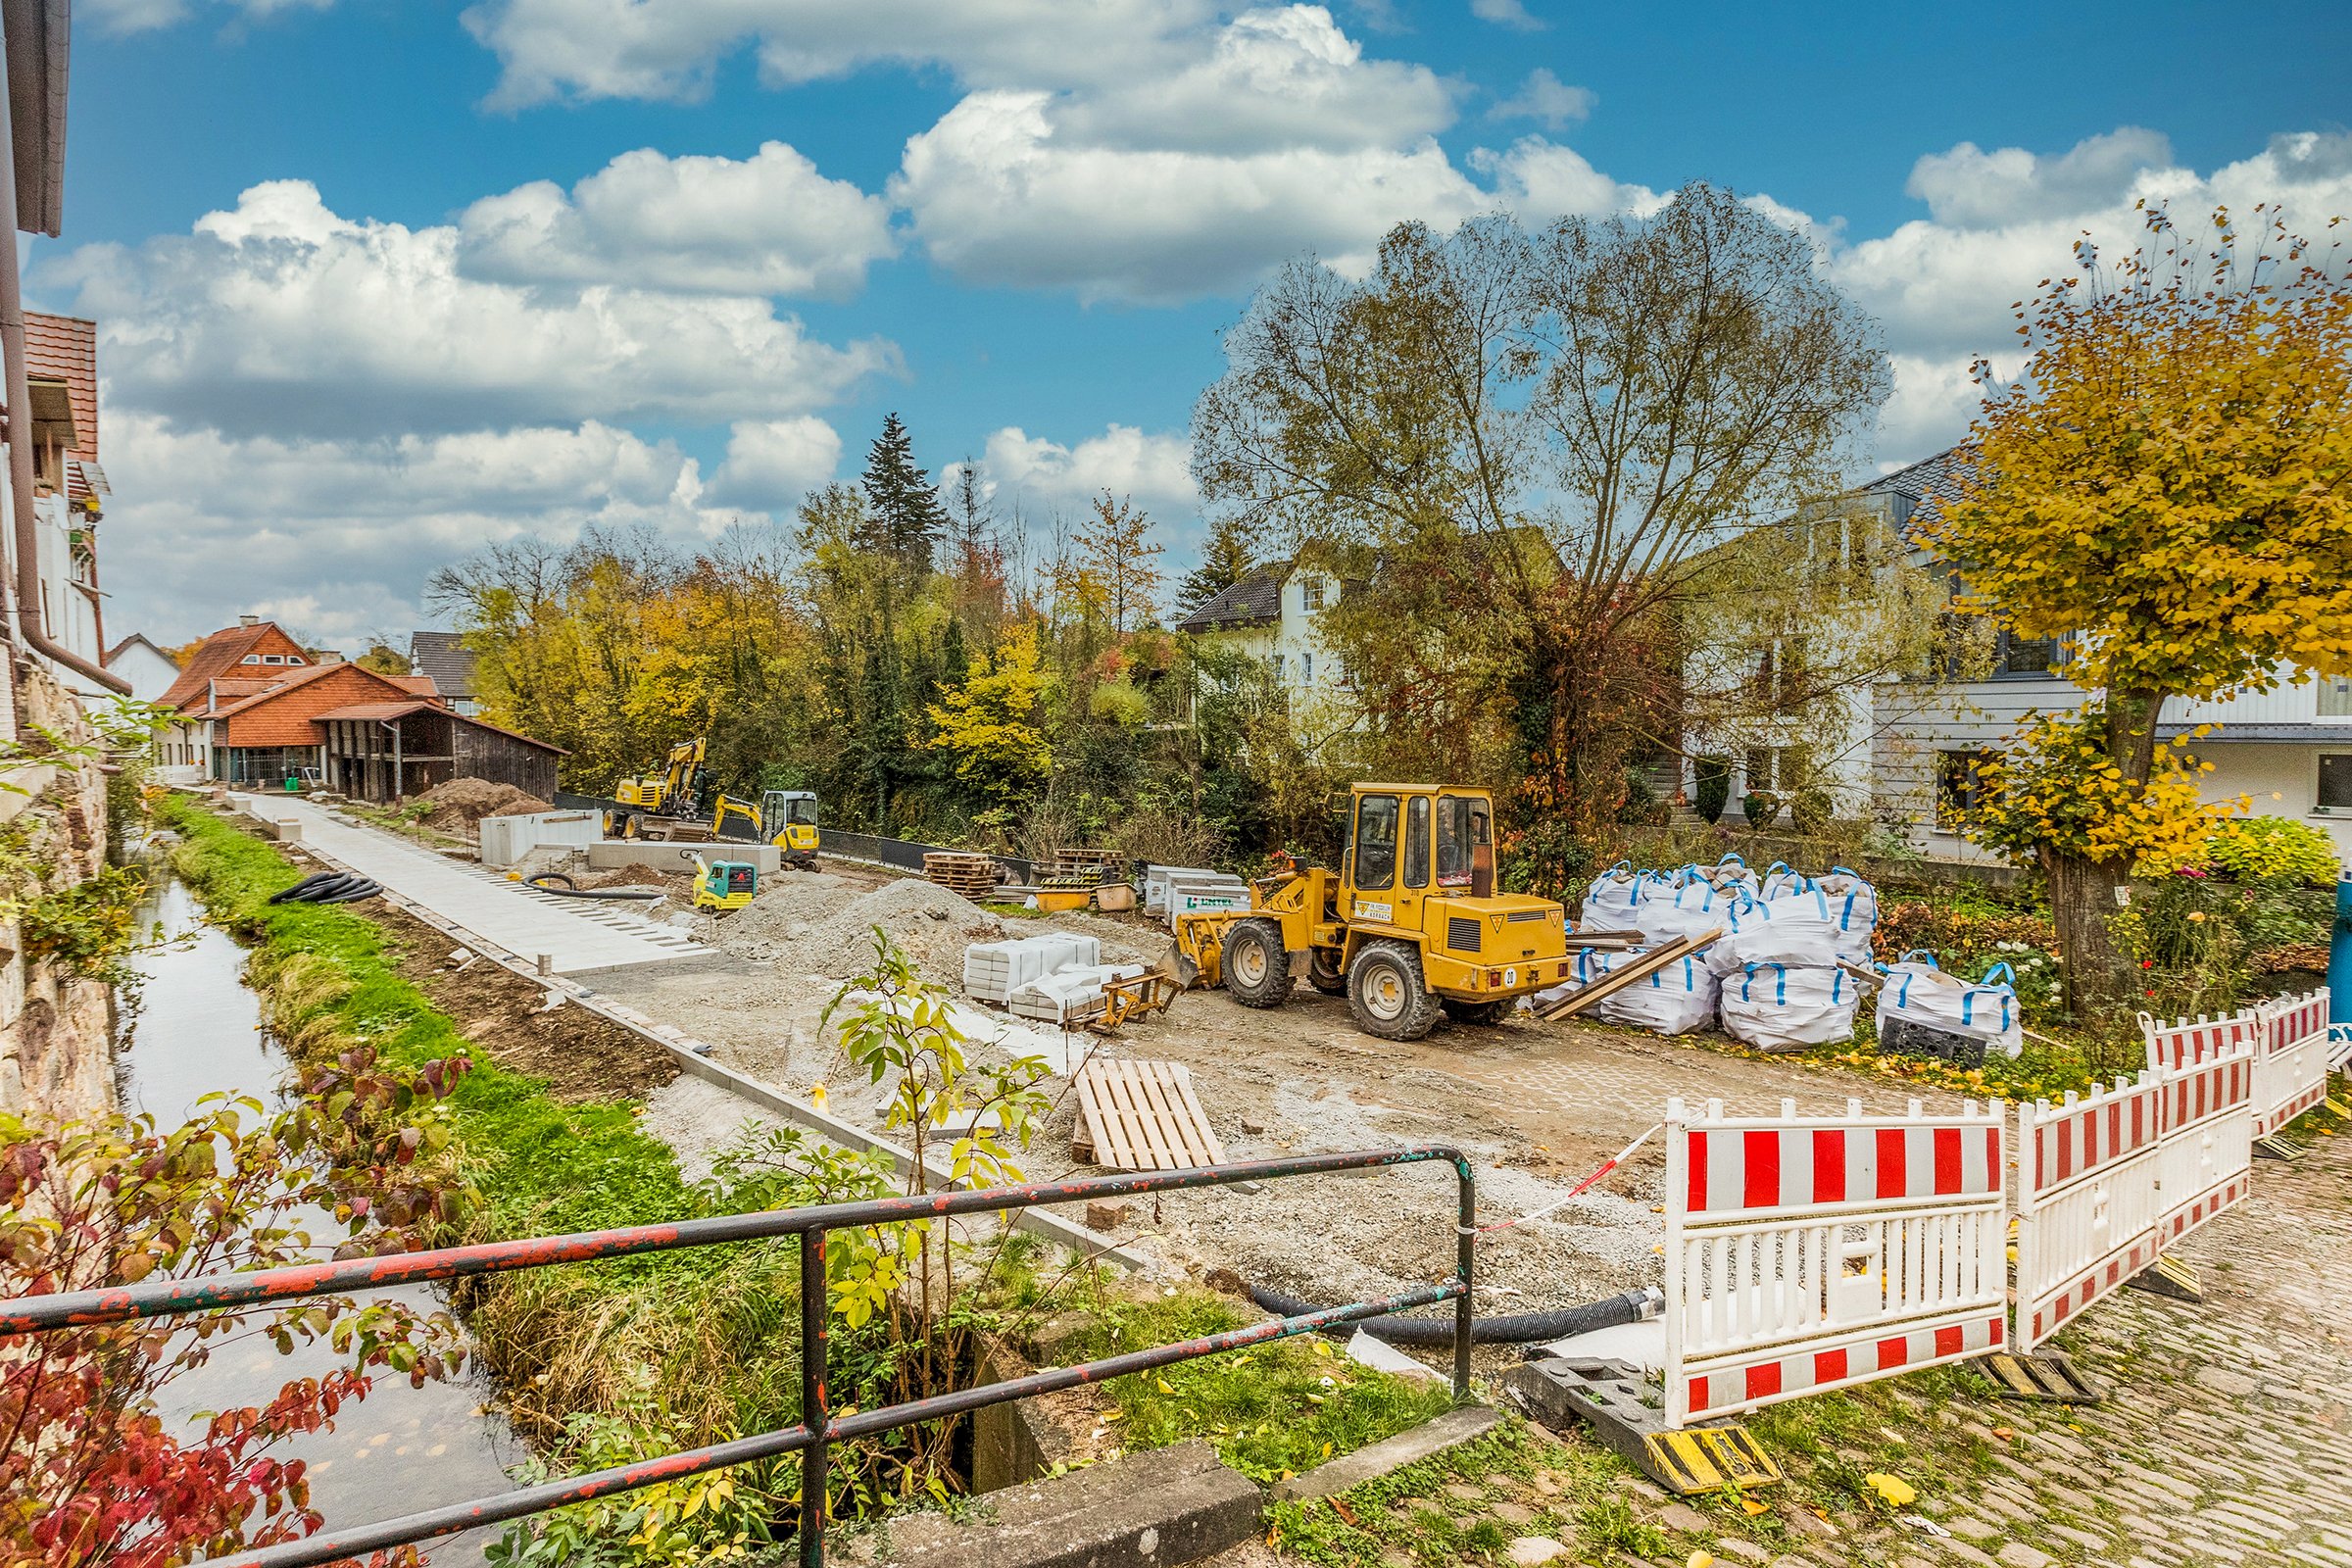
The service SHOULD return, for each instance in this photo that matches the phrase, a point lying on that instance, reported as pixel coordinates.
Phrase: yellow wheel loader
(1411, 927)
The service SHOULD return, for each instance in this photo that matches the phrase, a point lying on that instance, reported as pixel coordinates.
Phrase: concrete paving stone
(1965, 1552)
(1970, 1528)
(1747, 1549)
(2081, 1538)
(2017, 1554)
(1681, 1516)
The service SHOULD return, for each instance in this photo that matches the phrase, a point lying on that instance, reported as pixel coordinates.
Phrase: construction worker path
(574, 935)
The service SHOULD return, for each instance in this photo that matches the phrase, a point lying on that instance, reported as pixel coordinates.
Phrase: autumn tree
(1528, 443)
(385, 658)
(1118, 564)
(990, 723)
(975, 564)
(2167, 488)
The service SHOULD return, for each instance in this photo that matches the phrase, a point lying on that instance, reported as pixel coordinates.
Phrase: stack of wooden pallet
(970, 876)
(1080, 869)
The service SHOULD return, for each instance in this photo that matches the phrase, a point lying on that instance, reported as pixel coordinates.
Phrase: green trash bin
(293, 784)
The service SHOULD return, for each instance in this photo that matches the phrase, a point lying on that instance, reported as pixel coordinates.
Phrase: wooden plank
(1153, 1121)
(1110, 1146)
(1192, 1104)
(1184, 1141)
(1641, 969)
(1135, 1125)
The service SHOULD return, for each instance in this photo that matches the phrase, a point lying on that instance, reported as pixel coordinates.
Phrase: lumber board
(1142, 1115)
(1191, 1105)
(1641, 968)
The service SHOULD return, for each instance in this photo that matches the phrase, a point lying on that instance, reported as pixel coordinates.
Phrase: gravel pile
(812, 925)
(462, 803)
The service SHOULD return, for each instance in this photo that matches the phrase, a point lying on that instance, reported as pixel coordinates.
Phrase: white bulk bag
(1917, 990)
(1614, 897)
(1588, 964)
(1692, 910)
(1780, 880)
(1729, 875)
(1672, 1001)
(1857, 905)
(1799, 929)
(1779, 1006)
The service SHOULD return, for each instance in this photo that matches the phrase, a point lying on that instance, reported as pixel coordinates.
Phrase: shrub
(1810, 810)
(1761, 808)
(1714, 787)
(2274, 847)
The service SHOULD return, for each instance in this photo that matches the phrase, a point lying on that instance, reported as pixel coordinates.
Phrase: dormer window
(294, 658)
(251, 659)
(273, 659)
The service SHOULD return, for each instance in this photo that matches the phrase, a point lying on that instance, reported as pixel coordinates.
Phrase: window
(2336, 782)
(1310, 593)
(2335, 697)
(1959, 783)
(273, 659)
(1306, 669)
(1375, 843)
(294, 658)
(1416, 842)
(251, 659)
(2013, 655)
(1454, 855)
(1282, 669)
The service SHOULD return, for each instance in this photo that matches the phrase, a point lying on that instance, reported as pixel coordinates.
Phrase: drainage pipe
(30, 621)
(1527, 1328)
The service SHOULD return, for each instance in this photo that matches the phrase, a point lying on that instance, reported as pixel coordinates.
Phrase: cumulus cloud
(1968, 187)
(282, 317)
(765, 225)
(1034, 472)
(1547, 99)
(1505, 13)
(337, 536)
(770, 464)
(1541, 179)
(667, 49)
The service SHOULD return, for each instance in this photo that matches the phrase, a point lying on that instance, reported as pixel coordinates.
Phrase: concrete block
(610, 855)
(1351, 1470)
(1143, 1510)
(505, 840)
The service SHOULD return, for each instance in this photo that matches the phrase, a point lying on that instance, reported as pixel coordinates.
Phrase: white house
(1272, 615)
(1903, 749)
(69, 487)
(150, 670)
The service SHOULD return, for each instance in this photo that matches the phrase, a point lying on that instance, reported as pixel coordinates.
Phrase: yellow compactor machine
(1409, 928)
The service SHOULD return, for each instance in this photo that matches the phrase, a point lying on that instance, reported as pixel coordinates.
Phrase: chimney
(249, 621)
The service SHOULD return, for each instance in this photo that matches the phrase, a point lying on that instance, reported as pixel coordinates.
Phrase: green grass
(1409, 1515)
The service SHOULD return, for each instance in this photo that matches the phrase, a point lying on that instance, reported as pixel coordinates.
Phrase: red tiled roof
(285, 715)
(224, 653)
(421, 685)
(391, 710)
(67, 347)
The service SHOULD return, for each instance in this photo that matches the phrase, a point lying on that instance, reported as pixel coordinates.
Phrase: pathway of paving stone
(2226, 1440)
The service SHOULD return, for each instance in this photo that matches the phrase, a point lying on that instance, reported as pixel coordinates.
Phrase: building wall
(486, 754)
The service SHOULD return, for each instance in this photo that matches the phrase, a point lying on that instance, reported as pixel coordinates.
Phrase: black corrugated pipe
(1526, 1329)
(19, 397)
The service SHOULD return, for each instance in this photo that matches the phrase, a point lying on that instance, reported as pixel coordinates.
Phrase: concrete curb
(692, 1056)
(1168, 1506)
(1425, 1441)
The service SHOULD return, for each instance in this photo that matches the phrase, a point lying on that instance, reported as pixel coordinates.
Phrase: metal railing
(817, 1428)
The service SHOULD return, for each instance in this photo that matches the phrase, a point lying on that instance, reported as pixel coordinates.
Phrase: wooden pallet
(970, 876)
(1142, 1115)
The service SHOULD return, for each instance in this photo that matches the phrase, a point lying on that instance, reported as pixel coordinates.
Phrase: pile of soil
(638, 874)
(462, 803)
(816, 925)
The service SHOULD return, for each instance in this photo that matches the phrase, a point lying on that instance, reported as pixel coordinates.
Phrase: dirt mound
(636, 875)
(462, 803)
(818, 925)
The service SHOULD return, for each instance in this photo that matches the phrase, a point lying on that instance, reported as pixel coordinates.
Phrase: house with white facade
(1903, 750)
(69, 488)
(1274, 616)
(150, 670)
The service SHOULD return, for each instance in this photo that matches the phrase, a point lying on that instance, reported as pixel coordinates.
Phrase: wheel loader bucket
(1180, 965)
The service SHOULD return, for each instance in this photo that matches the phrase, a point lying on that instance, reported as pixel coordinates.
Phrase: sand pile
(462, 803)
(813, 925)
(638, 874)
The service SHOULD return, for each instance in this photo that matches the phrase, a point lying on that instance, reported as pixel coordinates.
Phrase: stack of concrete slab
(1173, 890)
(1069, 996)
(994, 970)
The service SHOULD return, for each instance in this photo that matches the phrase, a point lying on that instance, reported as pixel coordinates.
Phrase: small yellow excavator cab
(788, 820)
(1411, 928)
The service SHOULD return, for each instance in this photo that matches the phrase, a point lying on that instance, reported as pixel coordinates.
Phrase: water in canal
(401, 1448)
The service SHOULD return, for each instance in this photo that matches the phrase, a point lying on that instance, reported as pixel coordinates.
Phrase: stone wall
(56, 1047)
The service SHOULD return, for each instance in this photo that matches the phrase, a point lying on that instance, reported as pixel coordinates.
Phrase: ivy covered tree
(2167, 488)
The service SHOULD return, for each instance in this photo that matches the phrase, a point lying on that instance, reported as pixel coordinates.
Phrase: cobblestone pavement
(2226, 1438)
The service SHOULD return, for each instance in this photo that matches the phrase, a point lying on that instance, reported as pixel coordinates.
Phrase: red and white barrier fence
(1806, 1253)
(2290, 1073)
(2088, 1199)
(2205, 1164)
(2183, 1043)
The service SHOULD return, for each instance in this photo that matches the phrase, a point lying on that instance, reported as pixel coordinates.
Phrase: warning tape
(1581, 1188)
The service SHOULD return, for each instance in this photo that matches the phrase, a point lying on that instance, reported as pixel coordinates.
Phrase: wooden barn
(383, 750)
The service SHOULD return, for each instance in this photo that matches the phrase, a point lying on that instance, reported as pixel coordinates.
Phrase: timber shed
(381, 751)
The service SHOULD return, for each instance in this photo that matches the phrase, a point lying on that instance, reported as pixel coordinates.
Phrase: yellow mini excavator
(1411, 927)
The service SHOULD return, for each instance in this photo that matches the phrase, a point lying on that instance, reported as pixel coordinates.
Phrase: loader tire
(1324, 973)
(1476, 1012)
(1257, 971)
(1386, 995)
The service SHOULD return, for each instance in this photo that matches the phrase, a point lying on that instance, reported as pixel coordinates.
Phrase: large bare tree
(1520, 449)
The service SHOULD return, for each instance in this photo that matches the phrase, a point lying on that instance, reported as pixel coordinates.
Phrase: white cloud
(145, 16)
(1507, 14)
(1031, 472)
(338, 535)
(1968, 187)
(282, 317)
(766, 224)
(1539, 179)
(1547, 100)
(667, 49)
(770, 464)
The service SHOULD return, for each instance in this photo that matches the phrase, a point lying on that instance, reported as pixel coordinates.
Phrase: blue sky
(360, 314)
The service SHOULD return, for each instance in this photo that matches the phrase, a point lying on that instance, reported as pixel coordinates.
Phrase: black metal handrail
(817, 1428)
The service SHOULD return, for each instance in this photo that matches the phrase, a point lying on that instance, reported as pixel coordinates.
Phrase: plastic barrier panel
(2184, 1044)
(2205, 1162)
(1807, 1253)
(2087, 1204)
(2291, 1075)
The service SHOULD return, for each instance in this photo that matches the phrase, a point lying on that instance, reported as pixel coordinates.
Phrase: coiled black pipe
(1526, 1328)
(327, 888)
(545, 882)
(362, 888)
(303, 888)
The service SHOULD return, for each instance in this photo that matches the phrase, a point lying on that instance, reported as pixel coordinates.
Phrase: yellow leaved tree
(2167, 488)
(991, 726)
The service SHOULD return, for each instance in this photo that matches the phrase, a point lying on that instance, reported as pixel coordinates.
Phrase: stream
(398, 1450)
